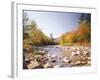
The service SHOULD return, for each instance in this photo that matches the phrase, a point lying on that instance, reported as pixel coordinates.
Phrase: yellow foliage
(80, 35)
(69, 36)
(26, 44)
(62, 39)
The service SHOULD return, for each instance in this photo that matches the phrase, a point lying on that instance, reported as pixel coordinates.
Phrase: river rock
(57, 66)
(33, 64)
(48, 65)
(37, 56)
(65, 59)
(44, 59)
(53, 61)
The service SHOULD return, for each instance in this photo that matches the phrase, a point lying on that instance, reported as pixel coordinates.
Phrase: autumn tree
(82, 34)
(62, 39)
(84, 29)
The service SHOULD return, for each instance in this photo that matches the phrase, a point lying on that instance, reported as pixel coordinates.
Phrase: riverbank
(58, 56)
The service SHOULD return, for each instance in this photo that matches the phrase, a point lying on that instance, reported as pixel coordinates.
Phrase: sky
(56, 23)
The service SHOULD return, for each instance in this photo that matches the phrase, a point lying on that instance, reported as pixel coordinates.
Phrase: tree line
(82, 35)
(32, 35)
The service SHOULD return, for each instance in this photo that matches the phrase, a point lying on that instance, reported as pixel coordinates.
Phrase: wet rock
(53, 56)
(28, 56)
(44, 59)
(48, 65)
(83, 62)
(27, 60)
(89, 58)
(43, 51)
(33, 64)
(53, 61)
(37, 56)
(49, 55)
(57, 66)
(69, 61)
(89, 62)
(78, 52)
(59, 57)
(77, 62)
(73, 53)
(66, 59)
(38, 67)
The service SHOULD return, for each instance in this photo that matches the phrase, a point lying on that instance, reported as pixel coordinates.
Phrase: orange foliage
(80, 35)
(83, 29)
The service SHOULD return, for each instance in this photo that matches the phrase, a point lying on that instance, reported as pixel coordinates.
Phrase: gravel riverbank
(58, 56)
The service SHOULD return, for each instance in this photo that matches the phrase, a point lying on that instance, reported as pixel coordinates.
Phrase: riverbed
(58, 56)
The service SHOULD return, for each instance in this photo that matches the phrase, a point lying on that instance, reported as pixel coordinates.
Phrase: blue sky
(56, 23)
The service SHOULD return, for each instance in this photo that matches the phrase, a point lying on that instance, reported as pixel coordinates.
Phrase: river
(66, 52)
